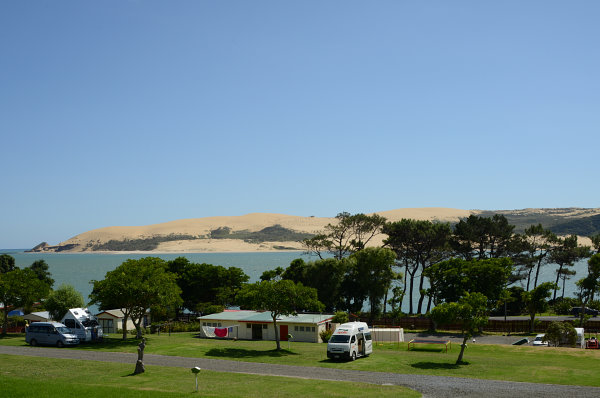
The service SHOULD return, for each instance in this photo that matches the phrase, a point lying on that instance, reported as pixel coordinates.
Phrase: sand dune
(202, 227)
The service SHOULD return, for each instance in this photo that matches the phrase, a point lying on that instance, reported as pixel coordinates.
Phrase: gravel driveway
(429, 386)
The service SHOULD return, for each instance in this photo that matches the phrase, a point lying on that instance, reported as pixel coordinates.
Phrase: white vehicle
(83, 324)
(540, 340)
(350, 341)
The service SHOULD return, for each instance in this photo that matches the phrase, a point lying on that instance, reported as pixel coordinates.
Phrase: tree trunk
(421, 294)
(462, 349)
(276, 332)
(125, 318)
(5, 322)
(537, 272)
(531, 323)
(412, 280)
(557, 277)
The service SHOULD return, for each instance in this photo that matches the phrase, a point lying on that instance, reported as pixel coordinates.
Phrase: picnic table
(446, 343)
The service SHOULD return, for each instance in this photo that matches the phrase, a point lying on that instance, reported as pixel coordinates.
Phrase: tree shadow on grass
(245, 353)
(437, 365)
(109, 343)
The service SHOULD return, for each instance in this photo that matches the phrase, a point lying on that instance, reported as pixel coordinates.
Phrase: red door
(283, 332)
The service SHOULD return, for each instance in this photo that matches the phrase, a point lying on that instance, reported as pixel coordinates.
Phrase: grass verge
(567, 366)
(49, 377)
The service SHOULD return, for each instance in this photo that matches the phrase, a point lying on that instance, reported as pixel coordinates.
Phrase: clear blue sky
(140, 112)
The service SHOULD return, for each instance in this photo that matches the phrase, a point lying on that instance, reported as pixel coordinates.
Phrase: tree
(41, 270)
(596, 243)
(61, 300)
(282, 297)
(559, 332)
(20, 288)
(535, 300)
(452, 278)
(7, 263)
(349, 234)
(374, 274)
(565, 254)
(539, 245)
(470, 312)
(205, 285)
(134, 287)
(418, 245)
(588, 285)
(482, 237)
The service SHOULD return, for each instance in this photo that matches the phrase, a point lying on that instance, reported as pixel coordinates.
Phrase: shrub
(325, 335)
(561, 333)
(562, 306)
(340, 317)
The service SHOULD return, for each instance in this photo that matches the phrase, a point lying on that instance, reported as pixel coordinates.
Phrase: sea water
(79, 269)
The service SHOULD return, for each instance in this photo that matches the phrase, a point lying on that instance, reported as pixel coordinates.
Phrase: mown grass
(513, 363)
(49, 377)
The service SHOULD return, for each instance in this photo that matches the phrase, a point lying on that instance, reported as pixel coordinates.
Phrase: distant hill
(272, 232)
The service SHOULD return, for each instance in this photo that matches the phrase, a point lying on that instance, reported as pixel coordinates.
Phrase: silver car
(50, 333)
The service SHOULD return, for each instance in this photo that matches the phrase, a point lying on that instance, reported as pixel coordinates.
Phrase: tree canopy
(61, 300)
(134, 287)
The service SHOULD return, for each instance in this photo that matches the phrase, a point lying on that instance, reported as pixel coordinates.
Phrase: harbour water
(78, 269)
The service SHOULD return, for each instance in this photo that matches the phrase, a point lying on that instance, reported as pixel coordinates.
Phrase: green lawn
(499, 362)
(48, 377)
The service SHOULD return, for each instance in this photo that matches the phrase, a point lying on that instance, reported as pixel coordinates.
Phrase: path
(429, 386)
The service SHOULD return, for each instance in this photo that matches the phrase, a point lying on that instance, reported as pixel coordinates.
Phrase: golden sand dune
(200, 229)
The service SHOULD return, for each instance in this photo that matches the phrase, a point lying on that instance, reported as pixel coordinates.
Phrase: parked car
(575, 311)
(50, 333)
(540, 341)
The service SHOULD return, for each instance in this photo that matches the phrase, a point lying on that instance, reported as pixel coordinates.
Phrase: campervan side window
(70, 323)
(353, 339)
(367, 336)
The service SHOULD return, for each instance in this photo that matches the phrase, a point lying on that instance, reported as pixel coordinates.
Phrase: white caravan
(83, 324)
(350, 341)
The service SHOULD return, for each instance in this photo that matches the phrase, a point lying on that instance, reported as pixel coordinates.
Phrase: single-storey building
(41, 316)
(255, 325)
(112, 320)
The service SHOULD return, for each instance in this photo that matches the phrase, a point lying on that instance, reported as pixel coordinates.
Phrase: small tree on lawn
(470, 312)
(535, 300)
(279, 297)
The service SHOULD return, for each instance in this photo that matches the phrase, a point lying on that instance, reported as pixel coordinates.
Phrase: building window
(264, 325)
(302, 328)
(295, 328)
(313, 328)
(248, 326)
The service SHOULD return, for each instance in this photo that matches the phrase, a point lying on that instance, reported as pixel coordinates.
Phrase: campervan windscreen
(336, 338)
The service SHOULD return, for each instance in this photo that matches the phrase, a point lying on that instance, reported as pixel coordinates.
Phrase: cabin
(112, 321)
(257, 325)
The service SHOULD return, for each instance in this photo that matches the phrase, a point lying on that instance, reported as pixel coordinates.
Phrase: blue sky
(140, 112)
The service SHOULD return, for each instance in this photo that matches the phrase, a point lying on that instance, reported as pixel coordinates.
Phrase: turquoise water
(79, 269)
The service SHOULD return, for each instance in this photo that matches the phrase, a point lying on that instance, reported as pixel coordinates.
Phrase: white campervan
(350, 341)
(83, 324)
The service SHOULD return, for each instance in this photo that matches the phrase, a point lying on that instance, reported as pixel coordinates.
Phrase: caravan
(83, 324)
(350, 341)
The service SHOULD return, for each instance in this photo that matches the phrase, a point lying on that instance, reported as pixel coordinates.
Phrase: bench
(446, 343)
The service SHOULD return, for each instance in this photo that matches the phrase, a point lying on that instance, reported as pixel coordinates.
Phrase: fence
(493, 325)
